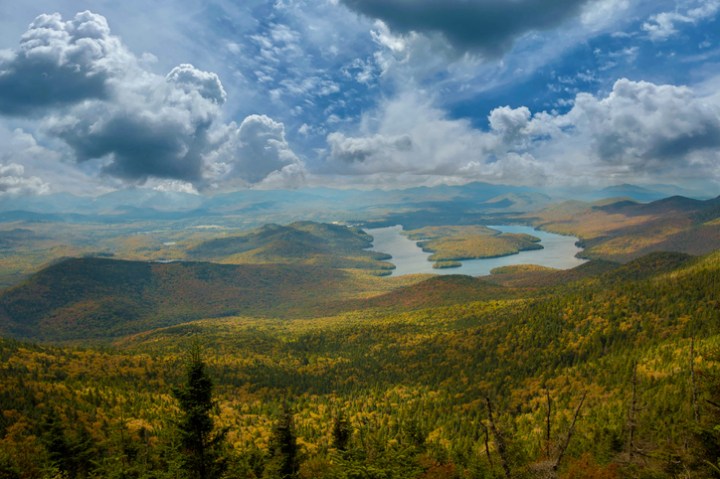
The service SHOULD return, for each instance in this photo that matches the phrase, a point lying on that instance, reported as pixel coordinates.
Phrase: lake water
(559, 252)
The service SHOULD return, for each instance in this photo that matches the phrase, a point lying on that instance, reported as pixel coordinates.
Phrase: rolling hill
(303, 242)
(623, 230)
(103, 298)
(412, 371)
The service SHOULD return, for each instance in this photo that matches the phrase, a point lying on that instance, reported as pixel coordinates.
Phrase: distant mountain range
(142, 203)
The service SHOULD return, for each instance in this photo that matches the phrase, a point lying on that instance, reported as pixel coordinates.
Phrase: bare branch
(570, 432)
(499, 441)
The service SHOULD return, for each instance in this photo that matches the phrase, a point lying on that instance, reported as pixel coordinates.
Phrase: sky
(207, 96)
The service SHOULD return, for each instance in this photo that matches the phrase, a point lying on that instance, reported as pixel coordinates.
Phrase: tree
(341, 432)
(201, 446)
(284, 463)
(56, 444)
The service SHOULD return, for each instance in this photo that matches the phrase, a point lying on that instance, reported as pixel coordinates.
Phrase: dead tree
(499, 441)
(631, 417)
(570, 433)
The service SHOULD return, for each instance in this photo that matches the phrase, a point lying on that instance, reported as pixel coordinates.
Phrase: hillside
(456, 243)
(297, 316)
(414, 384)
(623, 230)
(103, 298)
(303, 242)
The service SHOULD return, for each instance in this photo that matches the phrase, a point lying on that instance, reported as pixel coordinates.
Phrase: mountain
(302, 242)
(635, 192)
(86, 298)
(415, 373)
(433, 292)
(624, 230)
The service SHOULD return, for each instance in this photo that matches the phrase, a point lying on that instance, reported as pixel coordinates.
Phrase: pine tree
(284, 463)
(56, 444)
(341, 432)
(201, 447)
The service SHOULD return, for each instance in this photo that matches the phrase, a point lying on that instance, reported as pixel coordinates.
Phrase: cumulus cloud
(373, 148)
(638, 130)
(408, 135)
(153, 127)
(509, 123)
(126, 121)
(640, 124)
(489, 27)
(194, 81)
(254, 150)
(60, 63)
(14, 181)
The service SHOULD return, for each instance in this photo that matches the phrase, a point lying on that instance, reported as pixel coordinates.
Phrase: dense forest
(612, 374)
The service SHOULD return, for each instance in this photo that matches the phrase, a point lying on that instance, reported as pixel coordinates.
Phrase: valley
(604, 366)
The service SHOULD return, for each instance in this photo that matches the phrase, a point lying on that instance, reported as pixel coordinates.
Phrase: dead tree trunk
(693, 385)
(547, 424)
(570, 433)
(499, 441)
(631, 417)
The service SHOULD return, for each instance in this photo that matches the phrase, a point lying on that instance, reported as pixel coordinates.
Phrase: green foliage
(284, 461)
(449, 244)
(406, 376)
(200, 445)
(302, 242)
(341, 432)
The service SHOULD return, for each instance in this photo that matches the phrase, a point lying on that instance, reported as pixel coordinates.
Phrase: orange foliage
(585, 467)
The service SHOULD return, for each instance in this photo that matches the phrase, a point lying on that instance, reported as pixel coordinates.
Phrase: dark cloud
(135, 124)
(486, 26)
(138, 144)
(59, 63)
(153, 127)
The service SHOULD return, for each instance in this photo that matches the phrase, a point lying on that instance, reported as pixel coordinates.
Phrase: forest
(285, 352)
(613, 374)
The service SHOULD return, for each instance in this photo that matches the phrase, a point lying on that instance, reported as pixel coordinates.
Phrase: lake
(559, 252)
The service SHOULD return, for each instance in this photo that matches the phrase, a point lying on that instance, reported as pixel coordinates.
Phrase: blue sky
(210, 96)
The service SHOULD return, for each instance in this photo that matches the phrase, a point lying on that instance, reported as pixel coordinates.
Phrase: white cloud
(358, 152)
(640, 124)
(14, 181)
(509, 123)
(407, 134)
(194, 81)
(252, 151)
(639, 130)
(664, 25)
(599, 14)
(172, 186)
(60, 63)
(126, 122)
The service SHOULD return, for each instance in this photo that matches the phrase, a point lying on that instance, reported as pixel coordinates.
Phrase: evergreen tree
(284, 463)
(56, 444)
(341, 432)
(201, 447)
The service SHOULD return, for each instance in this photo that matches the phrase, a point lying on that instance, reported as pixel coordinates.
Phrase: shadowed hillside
(94, 298)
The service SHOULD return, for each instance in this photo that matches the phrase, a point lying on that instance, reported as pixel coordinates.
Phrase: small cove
(558, 252)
